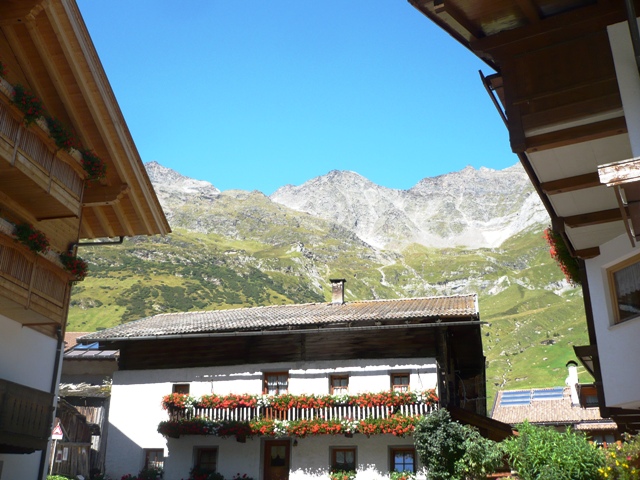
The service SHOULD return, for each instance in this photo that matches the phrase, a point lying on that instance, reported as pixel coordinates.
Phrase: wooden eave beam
(586, 253)
(593, 218)
(571, 184)
(98, 195)
(573, 135)
(446, 8)
(122, 218)
(553, 29)
(619, 173)
(18, 11)
(104, 222)
(529, 9)
(103, 106)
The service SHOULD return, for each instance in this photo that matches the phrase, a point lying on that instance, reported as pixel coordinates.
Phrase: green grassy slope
(276, 256)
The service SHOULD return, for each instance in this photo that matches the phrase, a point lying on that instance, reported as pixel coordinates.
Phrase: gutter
(437, 324)
(54, 391)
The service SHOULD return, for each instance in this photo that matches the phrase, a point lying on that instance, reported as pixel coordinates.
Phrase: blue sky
(257, 95)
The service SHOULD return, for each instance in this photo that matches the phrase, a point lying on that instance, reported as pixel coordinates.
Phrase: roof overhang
(46, 47)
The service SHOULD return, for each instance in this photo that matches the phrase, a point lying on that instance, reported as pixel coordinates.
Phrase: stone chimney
(572, 382)
(337, 290)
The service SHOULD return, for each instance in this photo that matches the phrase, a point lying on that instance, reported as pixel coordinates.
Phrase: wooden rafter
(445, 7)
(98, 195)
(574, 135)
(122, 218)
(571, 184)
(104, 222)
(585, 253)
(593, 218)
(529, 10)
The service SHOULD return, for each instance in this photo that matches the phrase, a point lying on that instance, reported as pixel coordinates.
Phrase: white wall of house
(26, 357)
(136, 400)
(617, 344)
(310, 458)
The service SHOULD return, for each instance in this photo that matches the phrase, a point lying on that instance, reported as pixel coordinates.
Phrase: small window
(400, 382)
(343, 458)
(276, 383)
(206, 460)
(339, 384)
(181, 388)
(153, 458)
(624, 283)
(403, 459)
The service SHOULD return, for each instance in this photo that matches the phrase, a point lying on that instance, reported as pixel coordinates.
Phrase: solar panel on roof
(90, 346)
(548, 393)
(515, 398)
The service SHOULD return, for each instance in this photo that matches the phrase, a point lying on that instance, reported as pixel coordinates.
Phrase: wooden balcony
(25, 418)
(34, 174)
(33, 289)
(352, 412)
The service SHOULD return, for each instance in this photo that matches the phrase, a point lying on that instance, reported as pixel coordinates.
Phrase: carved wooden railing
(29, 150)
(25, 417)
(32, 281)
(351, 412)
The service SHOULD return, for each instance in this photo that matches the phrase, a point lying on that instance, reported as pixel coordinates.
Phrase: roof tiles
(282, 317)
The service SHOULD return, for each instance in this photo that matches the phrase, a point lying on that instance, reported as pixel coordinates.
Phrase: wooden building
(69, 171)
(566, 84)
(291, 353)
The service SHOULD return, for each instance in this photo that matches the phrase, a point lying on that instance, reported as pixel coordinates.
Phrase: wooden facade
(45, 50)
(563, 73)
(25, 418)
(457, 349)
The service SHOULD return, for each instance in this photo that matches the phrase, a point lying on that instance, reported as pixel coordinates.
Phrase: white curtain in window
(627, 280)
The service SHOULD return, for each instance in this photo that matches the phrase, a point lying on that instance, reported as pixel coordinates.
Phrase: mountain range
(469, 231)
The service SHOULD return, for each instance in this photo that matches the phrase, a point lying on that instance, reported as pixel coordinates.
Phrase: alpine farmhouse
(292, 391)
(567, 86)
(69, 171)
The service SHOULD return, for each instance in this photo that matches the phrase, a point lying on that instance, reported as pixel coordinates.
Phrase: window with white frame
(339, 384)
(276, 383)
(400, 382)
(624, 284)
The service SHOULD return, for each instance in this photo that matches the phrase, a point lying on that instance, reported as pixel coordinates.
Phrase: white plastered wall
(617, 344)
(136, 409)
(26, 357)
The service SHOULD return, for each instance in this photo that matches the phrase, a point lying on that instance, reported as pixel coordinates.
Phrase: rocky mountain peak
(472, 208)
(169, 182)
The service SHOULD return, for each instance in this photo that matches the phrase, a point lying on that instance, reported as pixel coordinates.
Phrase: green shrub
(452, 451)
(622, 461)
(541, 453)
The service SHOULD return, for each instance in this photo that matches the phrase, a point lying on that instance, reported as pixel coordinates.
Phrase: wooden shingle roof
(417, 311)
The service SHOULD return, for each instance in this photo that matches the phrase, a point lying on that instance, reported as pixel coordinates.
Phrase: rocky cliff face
(237, 249)
(470, 208)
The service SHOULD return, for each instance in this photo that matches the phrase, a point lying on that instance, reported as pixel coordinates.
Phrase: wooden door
(276, 459)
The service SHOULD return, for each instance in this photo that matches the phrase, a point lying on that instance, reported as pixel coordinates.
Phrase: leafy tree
(452, 451)
(542, 453)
